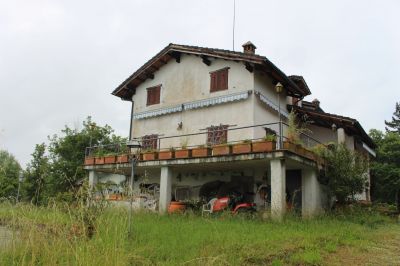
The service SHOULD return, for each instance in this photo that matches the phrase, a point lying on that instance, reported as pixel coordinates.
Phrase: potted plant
(268, 143)
(183, 152)
(149, 155)
(99, 160)
(293, 142)
(243, 147)
(201, 151)
(109, 158)
(89, 160)
(166, 154)
(221, 149)
(123, 158)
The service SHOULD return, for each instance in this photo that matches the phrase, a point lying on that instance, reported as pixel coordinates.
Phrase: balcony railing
(238, 140)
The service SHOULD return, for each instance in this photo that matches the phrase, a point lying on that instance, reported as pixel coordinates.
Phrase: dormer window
(219, 80)
(153, 95)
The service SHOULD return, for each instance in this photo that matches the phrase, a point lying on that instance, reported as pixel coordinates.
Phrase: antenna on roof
(233, 30)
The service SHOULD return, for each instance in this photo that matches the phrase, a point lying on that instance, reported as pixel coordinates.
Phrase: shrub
(345, 173)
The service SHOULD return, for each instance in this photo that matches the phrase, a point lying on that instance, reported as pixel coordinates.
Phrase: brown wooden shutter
(157, 95)
(153, 95)
(213, 79)
(219, 80)
(224, 79)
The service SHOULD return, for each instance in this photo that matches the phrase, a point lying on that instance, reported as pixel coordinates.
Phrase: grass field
(56, 236)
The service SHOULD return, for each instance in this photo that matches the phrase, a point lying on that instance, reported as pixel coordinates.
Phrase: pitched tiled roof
(321, 118)
(173, 51)
(300, 81)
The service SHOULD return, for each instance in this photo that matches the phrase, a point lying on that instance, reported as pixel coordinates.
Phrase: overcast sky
(60, 60)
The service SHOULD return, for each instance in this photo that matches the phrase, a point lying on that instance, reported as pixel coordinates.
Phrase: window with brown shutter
(217, 134)
(219, 80)
(153, 95)
(149, 142)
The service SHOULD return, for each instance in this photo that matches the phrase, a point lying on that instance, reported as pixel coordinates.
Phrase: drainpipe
(130, 127)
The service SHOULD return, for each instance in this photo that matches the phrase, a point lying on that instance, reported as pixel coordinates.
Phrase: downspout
(130, 127)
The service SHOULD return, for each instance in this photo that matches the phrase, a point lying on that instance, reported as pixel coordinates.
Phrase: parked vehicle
(234, 203)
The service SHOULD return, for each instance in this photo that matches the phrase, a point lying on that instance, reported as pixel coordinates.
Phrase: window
(153, 95)
(217, 134)
(219, 80)
(149, 142)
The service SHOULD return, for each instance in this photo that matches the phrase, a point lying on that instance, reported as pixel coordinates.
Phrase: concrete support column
(93, 179)
(165, 188)
(341, 136)
(278, 188)
(311, 196)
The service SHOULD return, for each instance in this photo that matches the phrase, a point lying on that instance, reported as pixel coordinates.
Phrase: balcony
(240, 143)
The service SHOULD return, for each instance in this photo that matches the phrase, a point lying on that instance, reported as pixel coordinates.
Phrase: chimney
(316, 103)
(249, 48)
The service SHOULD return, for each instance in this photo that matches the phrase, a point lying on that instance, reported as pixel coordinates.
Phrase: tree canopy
(9, 173)
(385, 169)
(345, 173)
(394, 125)
(57, 168)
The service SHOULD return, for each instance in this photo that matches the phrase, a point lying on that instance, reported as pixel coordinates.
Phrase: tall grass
(55, 235)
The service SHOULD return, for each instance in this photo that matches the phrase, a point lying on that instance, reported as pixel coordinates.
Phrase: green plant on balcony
(270, 137)
(296, 129)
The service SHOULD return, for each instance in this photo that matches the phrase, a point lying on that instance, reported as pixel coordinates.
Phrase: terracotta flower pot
(309, 154)
(201, 152)
(109, 159)
(123, 158)
(221, 150)
(289, 146)
(89, 160)
(99, 160)
(176, 207)
(165, 155)
(183, 153)
(149, 156)
(241, 148)
(264, 146)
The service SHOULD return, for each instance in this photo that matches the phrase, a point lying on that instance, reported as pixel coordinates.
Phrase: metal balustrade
(235, 134)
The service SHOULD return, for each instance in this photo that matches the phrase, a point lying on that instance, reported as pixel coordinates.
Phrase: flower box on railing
(109, 159)
(264, 146)
(309, 154)
(99, 160)
(201, 152)
(149, 156)
(123, 158)
(183, 153)
(89, 160)
(223, 149)
(241, 148)
(289, 146)
(165, 155)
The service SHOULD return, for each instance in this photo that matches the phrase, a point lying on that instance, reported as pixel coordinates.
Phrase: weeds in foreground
(51, 236)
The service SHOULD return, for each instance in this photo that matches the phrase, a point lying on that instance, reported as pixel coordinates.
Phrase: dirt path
(385, 251)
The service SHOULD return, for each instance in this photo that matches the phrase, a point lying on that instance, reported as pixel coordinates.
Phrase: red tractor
(233, 202)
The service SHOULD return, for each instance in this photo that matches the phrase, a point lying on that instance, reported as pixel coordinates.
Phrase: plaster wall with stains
(189, 81)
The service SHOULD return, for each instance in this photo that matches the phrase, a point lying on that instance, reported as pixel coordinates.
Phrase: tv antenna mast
(233, 28)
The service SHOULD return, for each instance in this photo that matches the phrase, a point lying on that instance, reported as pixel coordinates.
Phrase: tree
(36, 174)
(67, 153)
(385, 169)
(345, 173)
(394, 126)
(9, 173)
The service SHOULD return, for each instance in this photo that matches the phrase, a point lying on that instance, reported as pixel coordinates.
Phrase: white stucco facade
(189, 81)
